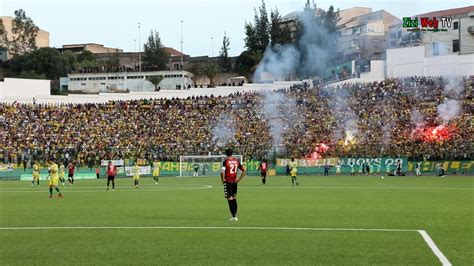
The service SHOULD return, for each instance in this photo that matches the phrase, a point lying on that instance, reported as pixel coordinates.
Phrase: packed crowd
(378, 118)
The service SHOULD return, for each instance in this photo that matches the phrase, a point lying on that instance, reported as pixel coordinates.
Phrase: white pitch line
(103, 190)
(442, 258)
(381, 188)
(210, 228)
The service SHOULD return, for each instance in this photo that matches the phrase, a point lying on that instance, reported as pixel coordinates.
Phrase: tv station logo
(427, 23)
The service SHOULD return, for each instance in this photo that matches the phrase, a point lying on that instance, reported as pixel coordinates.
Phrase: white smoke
(343, 114)
(448, 110)
(277, 63)
(224, 130)
(279, 110)
(309, 56)
(417, 118)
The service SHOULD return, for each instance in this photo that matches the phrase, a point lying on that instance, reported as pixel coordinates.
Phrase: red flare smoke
(318, 152)
(434, 134)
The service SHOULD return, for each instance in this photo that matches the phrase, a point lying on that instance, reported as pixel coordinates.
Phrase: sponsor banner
(204, 168)
(144, 170)
(449, 166)
(381, 164)
(114, 162)
(29, 177)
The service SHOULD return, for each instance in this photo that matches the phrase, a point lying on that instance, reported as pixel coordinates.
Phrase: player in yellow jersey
(156, 170)
(62, 169)
(293, 171)
(136, 174)
(36, 174)
(54, 179)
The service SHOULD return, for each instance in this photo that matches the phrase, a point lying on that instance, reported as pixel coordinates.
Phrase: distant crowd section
(379, 115)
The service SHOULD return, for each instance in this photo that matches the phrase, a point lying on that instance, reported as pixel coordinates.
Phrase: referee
(229, 179)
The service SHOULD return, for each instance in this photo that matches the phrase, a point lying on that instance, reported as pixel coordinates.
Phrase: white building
(126, 81)
(456, 38)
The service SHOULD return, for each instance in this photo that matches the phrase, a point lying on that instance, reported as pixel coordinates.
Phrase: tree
(24, 32)
(247, 62)
(224, 60)
(262, 28)
(257, 35)
(85, 56)
(155, 56)
(210, 71)
(278, 34)
(44, 62)
(155, 80)
(71, 61)
(3, 36)
(250, 37)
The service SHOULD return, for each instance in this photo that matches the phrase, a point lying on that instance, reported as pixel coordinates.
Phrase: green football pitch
(326, 220)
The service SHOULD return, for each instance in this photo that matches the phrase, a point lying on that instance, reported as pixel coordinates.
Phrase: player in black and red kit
(229, 179)
(71, 168)
(111, 171)
(263, 171)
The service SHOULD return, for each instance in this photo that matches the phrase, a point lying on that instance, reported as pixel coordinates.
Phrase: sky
(115, 23)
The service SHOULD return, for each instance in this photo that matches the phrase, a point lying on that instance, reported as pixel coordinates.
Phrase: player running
(338, 168)
(352, 166)
(111, 171)
(263, 171)
(53, 179)
(136, 174)
(71, 168)
(418, 169)
(62, 170)
(36, 174)
(156, 171)
(229, 179)
(293, 171)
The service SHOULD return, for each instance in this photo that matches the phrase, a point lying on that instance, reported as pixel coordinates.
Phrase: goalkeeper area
(336, 220)
(198, 165)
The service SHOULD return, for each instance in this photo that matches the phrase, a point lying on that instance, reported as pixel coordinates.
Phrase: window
(435, 48)
(393, 43)
(456, 25)
(370, 28)
(455, 46)
(393, 35)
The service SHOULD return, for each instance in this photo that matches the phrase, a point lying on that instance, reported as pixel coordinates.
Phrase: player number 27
(233, 168)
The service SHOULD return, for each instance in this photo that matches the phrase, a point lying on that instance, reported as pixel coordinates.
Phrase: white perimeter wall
(23, 89)
(167, 94)
(410, 61)
(377, 73)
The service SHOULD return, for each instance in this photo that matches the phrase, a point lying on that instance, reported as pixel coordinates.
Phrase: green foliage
(71, 61)
(210, 71)
(247, 62)
(224, 60)
(155, 80)
(47, 62)
(278, 34)
(257, 35)
(24, 32)
(155, 57)
(85, 56)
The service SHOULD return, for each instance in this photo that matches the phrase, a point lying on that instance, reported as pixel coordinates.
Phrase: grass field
(185, 221)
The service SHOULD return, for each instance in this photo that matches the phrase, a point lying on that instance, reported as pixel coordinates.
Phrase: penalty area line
(431, 244)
